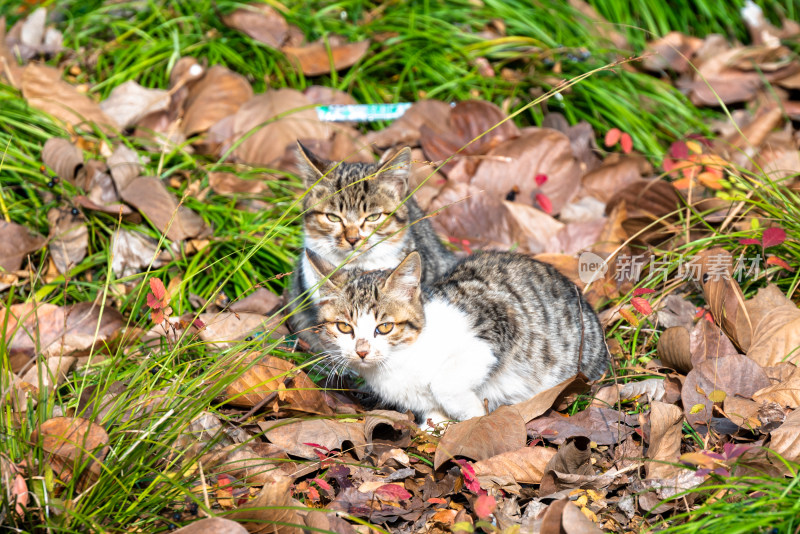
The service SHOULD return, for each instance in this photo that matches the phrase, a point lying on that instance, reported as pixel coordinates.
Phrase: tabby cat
(499, 326)
(356, 211)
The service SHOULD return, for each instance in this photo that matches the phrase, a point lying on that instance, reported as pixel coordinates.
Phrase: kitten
(499, 326)
(357, 209)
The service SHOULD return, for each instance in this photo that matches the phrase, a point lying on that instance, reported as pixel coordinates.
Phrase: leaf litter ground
(684, 257)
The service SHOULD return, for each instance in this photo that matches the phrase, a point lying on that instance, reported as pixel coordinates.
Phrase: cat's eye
(344, 328)
(374, 217)
(384, 328)
(333, 218)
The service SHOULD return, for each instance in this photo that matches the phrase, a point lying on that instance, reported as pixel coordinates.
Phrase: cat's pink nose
(352, 240)
(362, 353)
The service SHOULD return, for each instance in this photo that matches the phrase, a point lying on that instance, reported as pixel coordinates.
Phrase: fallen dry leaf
(48, 374)
(776, 336)
(228, 183)
(218, 94)
(551, 398)
(69, 239)
(271, 511)
(225, 329)
(615, 173)
(674, 349)
(785, 393)
(603, 426)
(673, 51)
(63, 157)
(733, 374)
(666, 427)
(129, 102)
(525, 465)
(280, 118)
(261, 301)
(16, 242)
(72, 442)
(321, 57)
(573, 457)
(514, 164)
(406, 129)
(132, 251)
(263, 379)
(482, 437)
(707, 341)
(651, 208)
(149, 195)
(785, 440)
(212, 525)
(261, 22)
(44, 89)
(294, 435)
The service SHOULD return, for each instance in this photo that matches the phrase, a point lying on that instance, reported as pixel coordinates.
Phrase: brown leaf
(228, 183)
(525, 465)
(674, 349)
(617, 172)
(673, 51)
(648, 201)
(293, 434)
(734, 374)
(551, 398)
(567, 518)
(132, 252)
(271, 511)
(212, 525)
(708, 341)
(715, 81)
(71, 442)
(129, 102)
(666, 426)
(279, 117)
(723, 295)
(16, 242)
(604, 426)
(261, 301)
(69, 239)
(326, 96)
(574, 457)
(149, 195)
(215, 96)
(318, 57)
(48, 374)
(63, 157)
(44, 89)
(124, 166)
(388, 426)
(263, 379)
(469, 120)
(261, 22)
(245, 464)
(225, 329)
(482, 437)
(785, 440)
(319, 521)
(406, 129)
(785, 393)
(776, 336)
(516, 162)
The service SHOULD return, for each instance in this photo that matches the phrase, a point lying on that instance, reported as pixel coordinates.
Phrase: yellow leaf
(717, 395)
(628, 316)
(697, 408)
(694, 147)
(589, 514)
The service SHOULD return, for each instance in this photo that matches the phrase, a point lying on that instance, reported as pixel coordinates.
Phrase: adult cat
(498, 326)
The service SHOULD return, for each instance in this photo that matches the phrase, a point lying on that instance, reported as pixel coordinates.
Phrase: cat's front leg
(459, 405)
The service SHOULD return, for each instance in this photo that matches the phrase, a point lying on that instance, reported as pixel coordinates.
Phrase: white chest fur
(442, 373)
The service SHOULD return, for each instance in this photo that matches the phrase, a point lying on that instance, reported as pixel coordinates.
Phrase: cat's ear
(311, 166)
(397, 170)
(404, 280)
(323, 268)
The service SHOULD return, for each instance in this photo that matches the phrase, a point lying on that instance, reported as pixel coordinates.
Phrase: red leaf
(312, 493)
(774, 260)
(393, 491)
(679, 150)
(749, 241)
(153, 302)
(316, 446)
(668, 164)
(626, 142)
(544, 203)
(540, 179)
(157, 316)
(158, 289)
(197, 323)
(484, 506)
(436, 500)
(641, 305)
(470, 480)
(612, 137)
(773, 237)
(322, 484)
(642, 291)
(223, 480)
